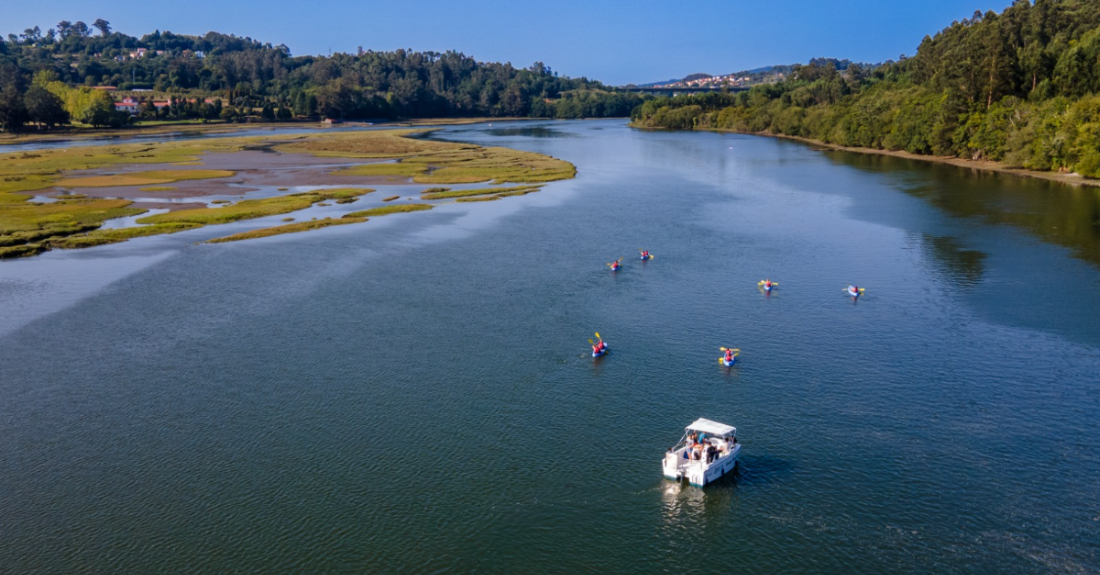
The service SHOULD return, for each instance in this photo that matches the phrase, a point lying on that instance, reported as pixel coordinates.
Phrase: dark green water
(414, 395)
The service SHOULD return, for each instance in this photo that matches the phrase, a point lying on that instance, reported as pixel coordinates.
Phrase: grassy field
(385, 210)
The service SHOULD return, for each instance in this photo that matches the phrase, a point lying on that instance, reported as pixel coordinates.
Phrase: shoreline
(1072, 179)
(80, 134)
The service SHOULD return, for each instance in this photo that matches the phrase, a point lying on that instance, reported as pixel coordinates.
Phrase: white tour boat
(708, 450)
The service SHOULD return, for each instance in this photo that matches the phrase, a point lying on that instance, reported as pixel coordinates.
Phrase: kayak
(768, 287)
(649, 257)
(854, 293)
(616, 268)
(722, 360)
(600, 353)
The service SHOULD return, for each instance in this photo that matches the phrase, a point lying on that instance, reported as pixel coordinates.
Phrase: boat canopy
(712, 427)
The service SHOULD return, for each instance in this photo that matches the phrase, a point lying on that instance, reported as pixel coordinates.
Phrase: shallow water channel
(415, 395)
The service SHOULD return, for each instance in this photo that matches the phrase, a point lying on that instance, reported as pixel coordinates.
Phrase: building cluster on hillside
(140, 53)
(132, 105)
(731, 80)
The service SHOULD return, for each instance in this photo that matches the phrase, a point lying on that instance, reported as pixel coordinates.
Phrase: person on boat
(768, 284)
(615, 265)
(729, 355)
(645, 254)
(853, 289)
(599, 346)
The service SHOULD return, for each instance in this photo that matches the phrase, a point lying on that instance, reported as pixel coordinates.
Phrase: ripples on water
(413, 395)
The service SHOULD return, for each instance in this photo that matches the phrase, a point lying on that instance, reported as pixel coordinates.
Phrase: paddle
(731, 349)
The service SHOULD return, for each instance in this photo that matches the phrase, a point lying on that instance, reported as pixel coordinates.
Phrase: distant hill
(764, 74)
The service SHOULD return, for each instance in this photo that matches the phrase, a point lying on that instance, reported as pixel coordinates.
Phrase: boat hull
(698, 473)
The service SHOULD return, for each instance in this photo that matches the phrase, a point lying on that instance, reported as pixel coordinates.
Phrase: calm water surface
(414, 395)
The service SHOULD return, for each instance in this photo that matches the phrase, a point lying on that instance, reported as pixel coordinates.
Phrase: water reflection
(530, 132)
(1063, 214)
(961, 266)
(683, 502)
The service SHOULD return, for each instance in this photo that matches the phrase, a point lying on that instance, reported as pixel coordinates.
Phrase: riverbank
(1072, 179)
(63, 134)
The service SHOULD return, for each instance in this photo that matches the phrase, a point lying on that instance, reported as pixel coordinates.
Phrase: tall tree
(103, 26)
(13, 112)
(45, 107)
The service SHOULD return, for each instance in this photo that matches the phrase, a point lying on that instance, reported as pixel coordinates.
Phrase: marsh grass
(499, 192)
(258, 208)
(102, 237)
(429, 161)
(28, 227)
(287, 229)
(21, 250)
(385, 210)
(142, 178)
(25, 222)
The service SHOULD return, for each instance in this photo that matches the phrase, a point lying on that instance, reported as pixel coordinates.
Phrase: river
(415, 394)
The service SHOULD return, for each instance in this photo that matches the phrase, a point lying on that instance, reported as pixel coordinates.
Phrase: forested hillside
(1022, 87)
(241, 76)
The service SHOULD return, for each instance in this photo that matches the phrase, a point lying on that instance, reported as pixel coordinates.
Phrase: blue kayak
(600, 353)
(722, 360)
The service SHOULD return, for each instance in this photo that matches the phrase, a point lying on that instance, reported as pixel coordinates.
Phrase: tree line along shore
(92, 75)
(1020, 88)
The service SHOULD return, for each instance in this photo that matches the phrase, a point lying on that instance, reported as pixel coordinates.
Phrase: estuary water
(415, 394)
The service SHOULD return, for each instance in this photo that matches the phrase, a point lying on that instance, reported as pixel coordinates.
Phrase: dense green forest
(47, 78)
(1022, 87)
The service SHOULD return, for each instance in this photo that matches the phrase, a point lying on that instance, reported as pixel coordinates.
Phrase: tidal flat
(61, 198)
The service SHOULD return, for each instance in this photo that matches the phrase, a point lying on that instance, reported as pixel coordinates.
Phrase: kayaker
(768, 284)
(729, 355)
(645, 254)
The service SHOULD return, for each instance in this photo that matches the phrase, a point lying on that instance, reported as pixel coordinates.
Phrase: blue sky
(616, 41)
